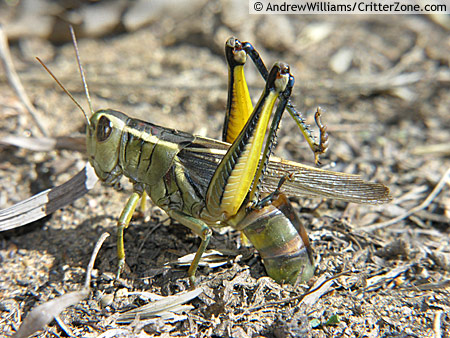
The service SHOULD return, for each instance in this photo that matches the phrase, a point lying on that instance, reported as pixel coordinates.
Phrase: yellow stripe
(242, 175)
(241, 106)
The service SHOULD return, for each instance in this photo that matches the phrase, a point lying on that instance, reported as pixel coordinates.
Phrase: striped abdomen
(276, 232)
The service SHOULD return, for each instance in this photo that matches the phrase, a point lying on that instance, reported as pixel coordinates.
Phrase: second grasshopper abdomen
(277, 233)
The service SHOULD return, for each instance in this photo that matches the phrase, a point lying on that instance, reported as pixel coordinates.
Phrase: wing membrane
(314, 182)
(202, 157)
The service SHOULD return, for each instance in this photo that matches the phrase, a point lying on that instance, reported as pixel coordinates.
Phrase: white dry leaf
(45, 313)
(387, 277)
(320, 288)
(125, 333)
(169, 308)
(211, 259)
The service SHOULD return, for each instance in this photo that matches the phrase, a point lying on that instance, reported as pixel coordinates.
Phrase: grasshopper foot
(120, 267)
(192, 283)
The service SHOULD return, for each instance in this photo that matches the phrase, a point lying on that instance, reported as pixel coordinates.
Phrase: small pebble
(107, 300)
(341, 61)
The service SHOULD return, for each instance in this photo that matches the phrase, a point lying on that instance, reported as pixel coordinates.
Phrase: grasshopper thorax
(103, 140)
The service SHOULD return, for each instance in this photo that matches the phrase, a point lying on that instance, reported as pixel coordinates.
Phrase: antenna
(64, 89)
(83, 78)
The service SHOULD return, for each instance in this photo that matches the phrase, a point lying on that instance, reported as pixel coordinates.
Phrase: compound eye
(104, 129)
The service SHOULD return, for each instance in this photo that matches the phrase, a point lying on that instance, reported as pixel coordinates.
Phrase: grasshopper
(204, 183)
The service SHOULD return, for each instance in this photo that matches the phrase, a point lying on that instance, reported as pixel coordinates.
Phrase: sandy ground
(383, 82)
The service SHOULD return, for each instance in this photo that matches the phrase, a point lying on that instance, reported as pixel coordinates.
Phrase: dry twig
(14, 81)
(437, 189)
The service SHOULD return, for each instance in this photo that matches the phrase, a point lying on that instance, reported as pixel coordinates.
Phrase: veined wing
(201, 158)
(314, 182)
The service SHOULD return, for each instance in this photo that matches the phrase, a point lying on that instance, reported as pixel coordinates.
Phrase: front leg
(122, 224)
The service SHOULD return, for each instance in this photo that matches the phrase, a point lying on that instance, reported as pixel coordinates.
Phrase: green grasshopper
(204, 183)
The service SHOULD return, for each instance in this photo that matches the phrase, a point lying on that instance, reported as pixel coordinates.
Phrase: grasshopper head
(103, 132)
(103, 138)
